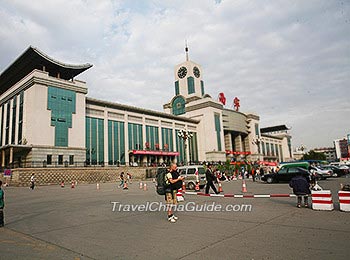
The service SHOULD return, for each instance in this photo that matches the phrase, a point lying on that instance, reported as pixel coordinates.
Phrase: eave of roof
(32, 58)
(274, 128)
(138, 110)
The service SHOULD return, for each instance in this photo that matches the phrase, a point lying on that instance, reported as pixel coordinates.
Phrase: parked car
(337, 171)
(189, 172)
(320, 173)
(304, 165)
(285, 174)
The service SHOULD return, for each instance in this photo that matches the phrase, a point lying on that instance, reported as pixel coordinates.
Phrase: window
(61, 102)
(191, 171)
(20, 117)
(49, 159)
(202, 87)
(217, 129)
(13, 130)
(190, 83)
(71, 159)
(177, 90)
(60, 159)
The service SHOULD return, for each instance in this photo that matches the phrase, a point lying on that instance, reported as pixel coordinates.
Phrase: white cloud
(287, 60)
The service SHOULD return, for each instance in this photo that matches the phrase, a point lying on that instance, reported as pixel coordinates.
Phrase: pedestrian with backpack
(173, 181)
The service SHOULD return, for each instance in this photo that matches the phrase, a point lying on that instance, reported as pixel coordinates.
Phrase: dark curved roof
(274, 128)
(32, 58)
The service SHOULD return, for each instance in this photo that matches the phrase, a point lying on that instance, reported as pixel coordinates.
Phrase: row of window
(269, 149)
(10, 125)
(190, 84)
(60, 159)
(116, 141)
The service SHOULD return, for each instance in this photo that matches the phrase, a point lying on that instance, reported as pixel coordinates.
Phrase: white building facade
(47, 120)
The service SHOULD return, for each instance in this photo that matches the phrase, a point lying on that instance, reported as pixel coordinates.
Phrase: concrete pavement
(55, 223)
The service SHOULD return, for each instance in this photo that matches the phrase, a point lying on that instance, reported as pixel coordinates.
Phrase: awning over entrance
(159, 153)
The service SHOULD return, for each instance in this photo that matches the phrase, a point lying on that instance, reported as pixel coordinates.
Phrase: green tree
(312, 155)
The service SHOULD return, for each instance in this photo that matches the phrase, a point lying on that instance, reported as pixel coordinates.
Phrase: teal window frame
(94, 132)
(20, 118)
(13, 128)
(190, 85)
(116, 142)
(7, 129)
(202, 88)
(179, 147)
(152, 136)
(62, 103)
(167, 138)
(135, 136)
(177, 88)
(178, 106)
(218, 130)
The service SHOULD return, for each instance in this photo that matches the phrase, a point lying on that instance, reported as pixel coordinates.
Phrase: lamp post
(185, 135)
(257, 142)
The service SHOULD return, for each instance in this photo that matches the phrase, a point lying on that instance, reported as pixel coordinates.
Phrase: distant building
(276, 143)
(341, 149)
(328, 151)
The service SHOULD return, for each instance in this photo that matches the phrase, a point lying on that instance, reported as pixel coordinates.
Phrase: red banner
(143, 152)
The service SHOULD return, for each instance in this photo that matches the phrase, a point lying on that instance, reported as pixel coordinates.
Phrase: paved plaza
(64, 223)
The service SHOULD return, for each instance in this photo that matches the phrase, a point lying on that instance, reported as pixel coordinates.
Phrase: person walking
(121, 177)
(209, 175)
(301, 188)
(32, 181)
(174, 182)
(2, 204)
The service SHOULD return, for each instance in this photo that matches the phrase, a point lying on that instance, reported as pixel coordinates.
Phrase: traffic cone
(179, 196)
(141, 186)
(97, 186)
(125, 187)
(220, 187)
(145, 187)
(183, 186)
(197, 187)
(62, 184)
(244, 187)
(73, 185)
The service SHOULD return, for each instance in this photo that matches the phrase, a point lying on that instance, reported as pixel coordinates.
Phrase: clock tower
(188, 85)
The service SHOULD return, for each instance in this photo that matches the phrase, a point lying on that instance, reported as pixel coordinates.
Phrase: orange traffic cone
(62, 184)
(197, 187)
(220, 187)
(73, 185)
(179, 196)
(183, 186)
(141, 186)
(145, 187)
(125, 187)
(244, 187)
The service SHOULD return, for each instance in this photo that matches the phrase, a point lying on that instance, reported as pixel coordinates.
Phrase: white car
(322, 174)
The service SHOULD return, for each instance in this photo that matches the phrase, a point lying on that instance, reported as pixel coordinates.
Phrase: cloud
(286, 61)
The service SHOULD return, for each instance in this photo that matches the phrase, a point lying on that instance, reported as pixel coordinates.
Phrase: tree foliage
(312, 155)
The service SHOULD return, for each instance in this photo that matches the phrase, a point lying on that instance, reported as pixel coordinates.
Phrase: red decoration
(147, 145)
(166, 147)
(236, 103)
(157, 146)
(222, 98)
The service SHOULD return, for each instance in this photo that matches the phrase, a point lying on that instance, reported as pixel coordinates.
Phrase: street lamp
(185, 135)
(257, 141)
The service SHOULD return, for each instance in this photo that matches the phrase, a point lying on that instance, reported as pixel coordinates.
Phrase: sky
(287, 61)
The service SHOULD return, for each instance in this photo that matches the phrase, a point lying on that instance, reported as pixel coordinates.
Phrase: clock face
(182, 72)
(196, 72)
